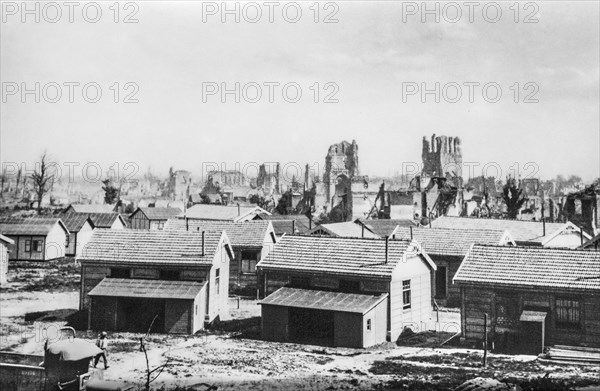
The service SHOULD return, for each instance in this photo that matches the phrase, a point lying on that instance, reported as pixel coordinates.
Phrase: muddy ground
(231, 356)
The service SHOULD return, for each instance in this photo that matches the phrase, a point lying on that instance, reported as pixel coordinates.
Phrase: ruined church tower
(341, 166)
(442, 155)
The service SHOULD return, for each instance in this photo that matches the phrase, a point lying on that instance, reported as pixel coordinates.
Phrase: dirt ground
(231, 356)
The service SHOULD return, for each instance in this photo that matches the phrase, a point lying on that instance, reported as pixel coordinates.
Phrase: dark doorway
(440, 282)
(311, 326)
(137, 315)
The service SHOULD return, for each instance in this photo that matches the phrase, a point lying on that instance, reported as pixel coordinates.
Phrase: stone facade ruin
(441, 156)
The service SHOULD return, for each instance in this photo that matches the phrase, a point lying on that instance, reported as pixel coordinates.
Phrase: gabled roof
(530, 267)
(6, 239)
(147, 289)
(455, 242)
(221, 212)
(521, 231)
(340, 256)
(346, 229)
(593, 243)
(91, 208)
(285, 224)
(384, 227)
(323, 300)
(244, 233)
(152, 246)
(159, 213)
(18, 226)
(100, 220)
(75, 221)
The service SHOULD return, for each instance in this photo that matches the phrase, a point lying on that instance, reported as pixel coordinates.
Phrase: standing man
(102, 343)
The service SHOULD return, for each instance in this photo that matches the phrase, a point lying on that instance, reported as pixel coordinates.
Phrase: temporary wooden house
(4, 243)
(524, 233)
(174, 281)
(447, 248)
(251, 241)
(533, 297)
(344, 291)
(36, 238)
(152, 218)
(80, 228)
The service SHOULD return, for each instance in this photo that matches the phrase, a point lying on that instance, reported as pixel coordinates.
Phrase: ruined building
(179, 184)
(341, 167)
(441, 156)
(268, 179)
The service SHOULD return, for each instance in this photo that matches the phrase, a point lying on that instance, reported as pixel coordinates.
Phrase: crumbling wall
(341, 167)
(442, 155)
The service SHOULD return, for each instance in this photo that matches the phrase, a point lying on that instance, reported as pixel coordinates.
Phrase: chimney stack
(187, 225)
(362, 234)
(202, 242)
(411, 233)
(293, 227)
(238, 205)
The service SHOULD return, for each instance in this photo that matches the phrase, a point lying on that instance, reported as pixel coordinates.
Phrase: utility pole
(485, 339)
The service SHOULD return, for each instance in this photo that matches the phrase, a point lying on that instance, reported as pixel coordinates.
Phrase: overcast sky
(370, 54)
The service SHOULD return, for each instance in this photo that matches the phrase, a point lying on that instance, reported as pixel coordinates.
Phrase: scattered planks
(577, 355)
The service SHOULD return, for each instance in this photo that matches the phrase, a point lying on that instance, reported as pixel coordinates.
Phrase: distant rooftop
(243, 233)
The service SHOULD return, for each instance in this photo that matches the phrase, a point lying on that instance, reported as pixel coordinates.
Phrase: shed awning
(322, 300)
(149, 289)
(533, 316)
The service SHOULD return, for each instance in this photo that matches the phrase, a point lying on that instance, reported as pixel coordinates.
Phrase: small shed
(322, 317)
(152, 218)
(36, 238)
(4, 243)
(168, 306)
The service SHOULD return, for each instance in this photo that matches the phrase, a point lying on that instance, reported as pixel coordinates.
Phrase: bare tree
(41, 178)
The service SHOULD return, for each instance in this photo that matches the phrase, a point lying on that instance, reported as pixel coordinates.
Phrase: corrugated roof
(384, 227)
(333, 255)
(447, 241)
(323, 300)
(151, 246)
(345, 229)
(147, 289)
(15, 226)
(74, 221)
(243, 233)
(220, 212)
(160, 213)
(92, 208)
(521, 231)
(531, 267)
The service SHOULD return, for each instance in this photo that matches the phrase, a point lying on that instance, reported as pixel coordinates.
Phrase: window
(37, 246)
(368, 324)
(28, 245)
(217, 277)
(406, 294)
(249, 261)
(120, 272)
(160, 225)
(440, 282)
(169, 275)
(567, 313)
